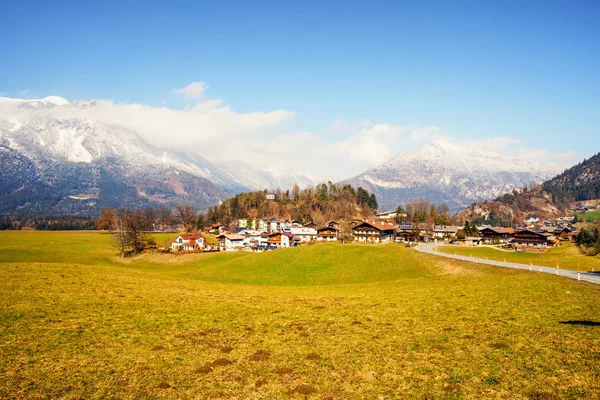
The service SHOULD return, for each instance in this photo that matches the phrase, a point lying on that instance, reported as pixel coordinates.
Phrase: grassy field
(327, 321)
(567, 255)
(590, 216)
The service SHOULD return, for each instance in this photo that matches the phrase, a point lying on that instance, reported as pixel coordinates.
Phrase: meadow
(590, 216)
(325, 321)
(567, 255)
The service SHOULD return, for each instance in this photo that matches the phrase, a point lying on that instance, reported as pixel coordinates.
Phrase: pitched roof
(379, 225)
(231, 236)
(327, 228)
(191, 236)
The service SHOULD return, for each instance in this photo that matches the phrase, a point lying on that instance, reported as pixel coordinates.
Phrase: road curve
(429, 248)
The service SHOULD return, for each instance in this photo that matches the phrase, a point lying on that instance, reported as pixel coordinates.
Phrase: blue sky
(475, 70)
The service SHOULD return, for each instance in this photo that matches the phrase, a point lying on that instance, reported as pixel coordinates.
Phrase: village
(265, 234)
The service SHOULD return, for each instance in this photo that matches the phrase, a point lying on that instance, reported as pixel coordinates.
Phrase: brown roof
(497, 230)
(191, 236)
(382, 226)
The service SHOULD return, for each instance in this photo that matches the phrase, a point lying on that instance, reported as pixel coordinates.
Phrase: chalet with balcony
(280, 240)
(531, 238)
(374, 232)
(496, 235)
(327, 234)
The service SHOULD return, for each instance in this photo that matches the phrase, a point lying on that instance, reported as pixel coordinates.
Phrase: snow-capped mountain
(56, 162)
(445, 173)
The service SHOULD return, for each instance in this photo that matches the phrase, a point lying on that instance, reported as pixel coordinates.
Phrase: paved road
(585, 276)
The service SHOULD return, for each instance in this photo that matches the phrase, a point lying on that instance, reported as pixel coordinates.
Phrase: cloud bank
(263, 139)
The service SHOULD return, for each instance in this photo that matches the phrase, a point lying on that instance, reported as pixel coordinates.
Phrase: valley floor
(328, 321)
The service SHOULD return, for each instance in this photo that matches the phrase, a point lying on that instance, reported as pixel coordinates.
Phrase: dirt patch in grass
(210, 331)
(304, 390)
(206, 369)
(158, 348)
(260, 383)
(313, 357)
(500, 345)
(163, 385)
(356, 323)
(452, 388)
(221, 362)
(542, 396)
(284, 370)
(226, 349)
(260, 355)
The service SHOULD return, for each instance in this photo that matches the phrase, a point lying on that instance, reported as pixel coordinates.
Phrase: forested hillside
(324, 202)
(581, 182)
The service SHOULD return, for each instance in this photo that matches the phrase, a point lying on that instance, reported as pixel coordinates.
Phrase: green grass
(567, 255)
(312, 265)
(590, 216)
(337, 321)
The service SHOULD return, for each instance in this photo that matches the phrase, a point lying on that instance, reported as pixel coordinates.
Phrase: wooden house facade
(534, 239)
(496, 235)
(373, 232)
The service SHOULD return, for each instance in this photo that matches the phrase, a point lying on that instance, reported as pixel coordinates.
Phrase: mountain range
(445, 173)
(547, 201)
(69, 163)
(55, 163)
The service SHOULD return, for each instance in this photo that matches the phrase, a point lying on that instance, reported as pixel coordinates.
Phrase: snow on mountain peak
(58, 101)
(445, 172)
(46, 102)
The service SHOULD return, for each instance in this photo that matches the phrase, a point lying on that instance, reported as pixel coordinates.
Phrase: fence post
(578, 273)
(557, 268)
(530, 266)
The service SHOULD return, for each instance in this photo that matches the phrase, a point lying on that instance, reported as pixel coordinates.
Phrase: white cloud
(211, 129)
(567, 158)
(193, 91)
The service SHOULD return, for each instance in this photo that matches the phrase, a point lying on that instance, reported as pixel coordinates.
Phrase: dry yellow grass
(135, 330)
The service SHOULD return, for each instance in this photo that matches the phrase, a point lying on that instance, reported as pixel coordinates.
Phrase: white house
(188, 242)
(304, 234)
(442, 231)
(256, 239)
(231, 242)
